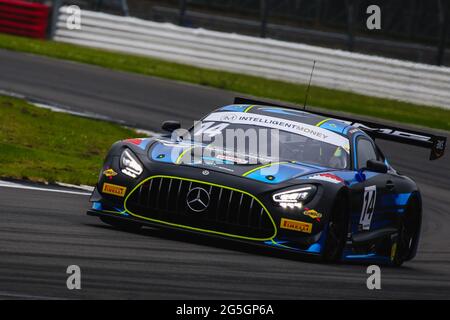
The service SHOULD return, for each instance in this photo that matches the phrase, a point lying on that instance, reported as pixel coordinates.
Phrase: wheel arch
(416, 196)
(341, 198)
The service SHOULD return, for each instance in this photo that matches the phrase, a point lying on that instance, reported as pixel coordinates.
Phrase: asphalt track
(42, 232)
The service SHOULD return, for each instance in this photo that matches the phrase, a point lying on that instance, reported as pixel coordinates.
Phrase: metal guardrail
(336, 69)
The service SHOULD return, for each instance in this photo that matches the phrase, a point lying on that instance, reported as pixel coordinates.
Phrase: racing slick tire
(121, 225)
(336, 231)
(408, 231)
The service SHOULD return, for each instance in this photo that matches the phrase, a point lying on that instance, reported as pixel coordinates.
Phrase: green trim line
(281, 245)
(322, 122)
(249, 108)
(178, 161)
(117, 212)
(200, 229)
(262, 167)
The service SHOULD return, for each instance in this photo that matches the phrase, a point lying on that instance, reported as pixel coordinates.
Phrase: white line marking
(11, 94)
(13, 185)
(26, 296)
(65, 109)
(144, 131)
(55, 108)
(75, 113)
(74, 186)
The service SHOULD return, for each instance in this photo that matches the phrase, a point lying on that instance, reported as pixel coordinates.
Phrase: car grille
(229, 211)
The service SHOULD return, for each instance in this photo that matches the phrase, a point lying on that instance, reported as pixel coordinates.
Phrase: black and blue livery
(332, 193)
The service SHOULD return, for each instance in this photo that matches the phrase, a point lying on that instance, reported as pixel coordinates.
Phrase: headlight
(295, 198)
(129, 165)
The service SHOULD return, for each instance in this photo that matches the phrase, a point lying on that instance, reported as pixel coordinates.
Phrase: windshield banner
(299, 128)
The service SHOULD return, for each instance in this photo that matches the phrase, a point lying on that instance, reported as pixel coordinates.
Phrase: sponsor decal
(229, 118)
(327, 177)
(370, 196)
(295, 127)
(224, 168)
(354, 130)
(136, 141)
(140, 142)
(114, 189)
(296, 225)
(231, 159)
(109, 173)
(440, 145)
(313, 214)
(439, 148)
(388, 131)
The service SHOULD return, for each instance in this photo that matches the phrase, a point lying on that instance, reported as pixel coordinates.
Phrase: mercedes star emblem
(229, 118)
(197, 199)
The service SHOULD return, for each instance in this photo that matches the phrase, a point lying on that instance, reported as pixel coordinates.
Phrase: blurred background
(414, 30)
(115, 64)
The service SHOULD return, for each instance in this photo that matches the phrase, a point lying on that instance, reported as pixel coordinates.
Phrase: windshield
(243, 144)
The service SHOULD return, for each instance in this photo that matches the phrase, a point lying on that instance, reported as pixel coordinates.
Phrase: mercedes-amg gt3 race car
(323, 187)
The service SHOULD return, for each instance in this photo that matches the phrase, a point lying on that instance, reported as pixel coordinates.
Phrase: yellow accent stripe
(182, 154)
(322, 122)
(264, 166)
(118, 212)
(249, 108)
(199, 229)
(281, 245)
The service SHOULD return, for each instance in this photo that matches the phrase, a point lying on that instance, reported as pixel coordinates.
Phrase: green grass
(319, 97)
(41, 145)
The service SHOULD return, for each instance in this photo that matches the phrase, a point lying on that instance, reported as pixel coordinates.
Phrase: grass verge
(319, 97)
(41, 145)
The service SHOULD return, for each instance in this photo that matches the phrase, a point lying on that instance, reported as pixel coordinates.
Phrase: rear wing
(435, 143)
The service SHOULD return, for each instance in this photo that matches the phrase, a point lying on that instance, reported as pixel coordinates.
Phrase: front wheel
(121, 225)
(336, 232)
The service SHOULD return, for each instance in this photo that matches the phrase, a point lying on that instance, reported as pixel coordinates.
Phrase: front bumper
(275, 244)
(308, 240)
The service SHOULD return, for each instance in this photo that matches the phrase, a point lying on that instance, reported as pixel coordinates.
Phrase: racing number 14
(370, 195)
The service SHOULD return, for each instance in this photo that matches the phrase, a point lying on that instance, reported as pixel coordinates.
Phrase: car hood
(271, 172)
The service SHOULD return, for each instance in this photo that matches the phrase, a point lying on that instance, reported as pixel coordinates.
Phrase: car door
(369, 194)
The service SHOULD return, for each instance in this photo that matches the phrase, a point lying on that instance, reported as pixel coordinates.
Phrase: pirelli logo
(296, 225)
(114, 189)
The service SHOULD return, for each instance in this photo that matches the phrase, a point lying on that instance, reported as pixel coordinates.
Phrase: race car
(322, 187)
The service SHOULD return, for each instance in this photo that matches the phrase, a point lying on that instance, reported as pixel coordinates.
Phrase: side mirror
(376, 166)
(171, 125)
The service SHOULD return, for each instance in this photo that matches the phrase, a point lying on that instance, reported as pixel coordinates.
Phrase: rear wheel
(121, 225)
(408, 231)
(336, 232)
